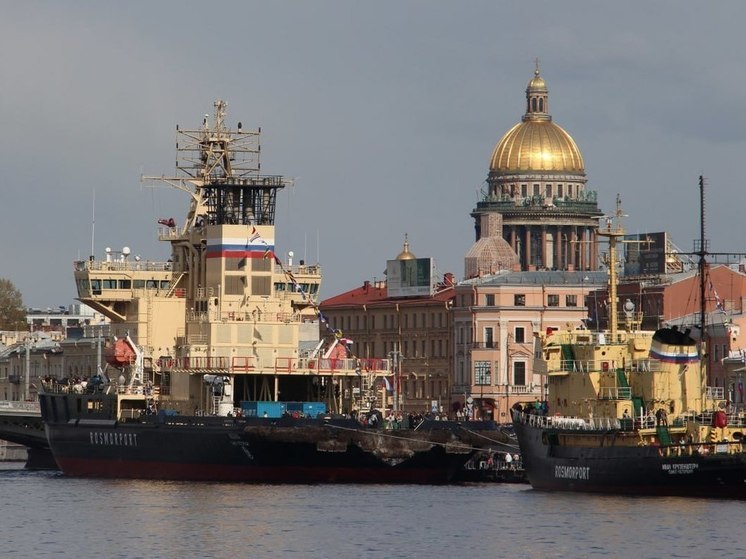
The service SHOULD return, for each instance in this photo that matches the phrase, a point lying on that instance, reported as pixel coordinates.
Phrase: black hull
(258, 452)
(630, 470)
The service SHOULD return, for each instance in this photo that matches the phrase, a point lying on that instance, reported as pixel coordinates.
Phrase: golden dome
(536, 144)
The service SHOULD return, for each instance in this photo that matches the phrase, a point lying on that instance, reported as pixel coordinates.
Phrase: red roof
(377, 295)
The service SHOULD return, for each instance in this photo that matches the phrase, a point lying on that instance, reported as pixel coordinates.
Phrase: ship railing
(570, 423)
(643, 366)
(332, 365)
(121, 265)
(591, 365)
(195, 364)
(615, 393)
(707, 418)
(19, 407)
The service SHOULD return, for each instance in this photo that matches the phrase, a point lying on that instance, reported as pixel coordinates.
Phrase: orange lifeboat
(119, 354)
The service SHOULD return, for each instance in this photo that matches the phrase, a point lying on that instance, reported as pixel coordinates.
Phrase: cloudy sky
(384, 112)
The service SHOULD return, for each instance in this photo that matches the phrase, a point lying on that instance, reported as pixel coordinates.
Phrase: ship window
(233, 264)
(233, 285)
(151, 284)
(110, 284)
(571, 300)
(165, 285)
(125, 284)
(261, 264)
(261, 285)
(138, 284)
(519, 299)
(96, 287)
(553, 300)
(519, 373)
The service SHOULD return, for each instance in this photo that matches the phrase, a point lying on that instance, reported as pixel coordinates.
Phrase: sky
(384, 114)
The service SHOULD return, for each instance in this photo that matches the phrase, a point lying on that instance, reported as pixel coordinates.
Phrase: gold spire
(405, 254)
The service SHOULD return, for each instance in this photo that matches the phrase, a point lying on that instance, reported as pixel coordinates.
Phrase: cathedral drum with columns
(536, 201)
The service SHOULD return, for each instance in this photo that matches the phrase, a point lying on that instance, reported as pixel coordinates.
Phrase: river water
(45, 514)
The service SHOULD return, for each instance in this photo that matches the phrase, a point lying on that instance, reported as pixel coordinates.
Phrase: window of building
(571, 300)
(560, 191)
(519, 373)
(520, 335)
(537, 189)
(489, 300)
(553, 300)
(489, 337)
(519, 299)
(385, 321)
(482, 373)
(524, 190)
(569, 190)
(548, 190)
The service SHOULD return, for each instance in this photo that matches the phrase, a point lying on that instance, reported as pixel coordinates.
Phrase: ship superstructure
(629, 411)
(224, 306)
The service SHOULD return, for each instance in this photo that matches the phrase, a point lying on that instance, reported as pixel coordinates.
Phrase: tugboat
(629, 410)
(225, 329)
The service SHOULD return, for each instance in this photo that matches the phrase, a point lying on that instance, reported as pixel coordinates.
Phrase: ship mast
(613, 231)
(702, 264)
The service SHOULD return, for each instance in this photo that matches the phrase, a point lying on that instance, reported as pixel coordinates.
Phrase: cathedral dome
(536, 144)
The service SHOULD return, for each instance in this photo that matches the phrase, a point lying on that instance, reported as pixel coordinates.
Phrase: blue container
(312, 409)
(270, 409)
(248, 408)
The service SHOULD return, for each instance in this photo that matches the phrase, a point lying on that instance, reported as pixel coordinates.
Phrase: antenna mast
(702, 253)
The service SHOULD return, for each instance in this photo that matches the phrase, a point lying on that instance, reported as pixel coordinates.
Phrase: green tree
(12, 311)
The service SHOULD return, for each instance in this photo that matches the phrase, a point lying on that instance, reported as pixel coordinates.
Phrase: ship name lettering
(572, 472)
(674, 469)
(107, 438)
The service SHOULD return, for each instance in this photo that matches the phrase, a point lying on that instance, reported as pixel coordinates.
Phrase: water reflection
(46, 514)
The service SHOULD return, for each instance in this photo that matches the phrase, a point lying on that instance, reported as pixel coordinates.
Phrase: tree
(12, 311)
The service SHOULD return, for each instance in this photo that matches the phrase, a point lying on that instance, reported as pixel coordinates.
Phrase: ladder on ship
(664, 437)
(216, 405)
(568, 358)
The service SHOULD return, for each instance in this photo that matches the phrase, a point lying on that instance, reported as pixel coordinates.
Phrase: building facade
(495, 322)
(414, 333)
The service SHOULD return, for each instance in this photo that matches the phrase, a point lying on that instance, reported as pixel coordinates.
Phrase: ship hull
(215, 449)
(629, 470)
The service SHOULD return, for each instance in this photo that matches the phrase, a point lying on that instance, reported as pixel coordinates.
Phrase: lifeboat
(120, 354)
